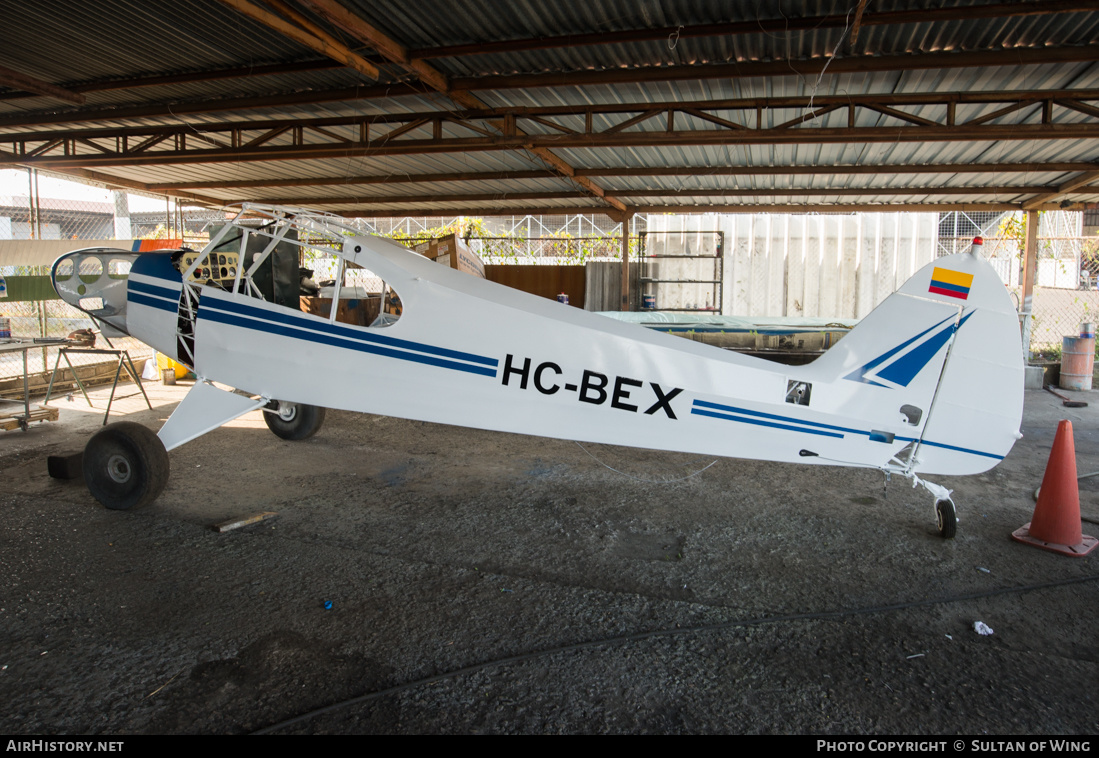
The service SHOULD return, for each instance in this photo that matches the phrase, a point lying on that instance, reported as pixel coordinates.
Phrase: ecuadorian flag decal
(950, 283)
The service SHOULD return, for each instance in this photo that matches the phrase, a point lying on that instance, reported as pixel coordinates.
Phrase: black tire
(294, 421)
(946, 519)
(125, 466)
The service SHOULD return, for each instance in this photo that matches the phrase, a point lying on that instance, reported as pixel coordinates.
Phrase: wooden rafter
(190, 77)
(20, 81)
(1013, 57)
(545, 132)
(382, 147)
(1075, 183)
(654, 171)
(481, 197)
(336, 13)
(801, 67)
(483, 129)
(549, 209)
(753, 113)
(776, 25)
(311, 36)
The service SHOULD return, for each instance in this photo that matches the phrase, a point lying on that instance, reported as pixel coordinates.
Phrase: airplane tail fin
(943, 357)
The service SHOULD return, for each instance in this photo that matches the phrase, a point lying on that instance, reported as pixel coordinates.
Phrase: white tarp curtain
(814, 266)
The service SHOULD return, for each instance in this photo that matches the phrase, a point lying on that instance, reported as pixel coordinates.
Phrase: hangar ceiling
(448, 107)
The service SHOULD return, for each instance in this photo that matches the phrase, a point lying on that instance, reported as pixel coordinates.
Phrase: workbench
(23, 420)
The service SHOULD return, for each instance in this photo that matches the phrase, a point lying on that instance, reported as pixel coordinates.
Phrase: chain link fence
(37, 206)
(1066, 290)
(552, 251)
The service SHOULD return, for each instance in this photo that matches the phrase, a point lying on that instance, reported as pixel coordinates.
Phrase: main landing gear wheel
(946, 519)
(293, 421)
(125, 466)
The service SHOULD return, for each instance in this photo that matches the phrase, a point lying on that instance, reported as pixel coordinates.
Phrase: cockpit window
(118, 268)
(360, 297)
(91, 268)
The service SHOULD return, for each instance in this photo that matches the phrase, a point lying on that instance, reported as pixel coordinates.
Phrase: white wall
(801, 266)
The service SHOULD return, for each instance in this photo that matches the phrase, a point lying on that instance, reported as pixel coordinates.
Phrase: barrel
(648, 302)
(1077, 361)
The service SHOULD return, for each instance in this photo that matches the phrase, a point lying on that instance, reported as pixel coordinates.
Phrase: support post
(122, 228)
(34, 217)
(1030, 273)
(625, 306)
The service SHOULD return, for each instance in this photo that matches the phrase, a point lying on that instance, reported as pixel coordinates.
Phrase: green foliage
(1013, 227)
(1048, 353)
(467, 229)
(511, 248)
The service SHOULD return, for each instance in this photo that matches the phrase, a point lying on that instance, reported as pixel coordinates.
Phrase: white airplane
(930, 382)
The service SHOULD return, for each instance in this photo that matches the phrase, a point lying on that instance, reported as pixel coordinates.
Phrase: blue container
(563, 298)
(648, 302)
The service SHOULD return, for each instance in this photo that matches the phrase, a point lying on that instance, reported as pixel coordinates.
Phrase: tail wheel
(294, 421)
(125, 466)
(946, 519)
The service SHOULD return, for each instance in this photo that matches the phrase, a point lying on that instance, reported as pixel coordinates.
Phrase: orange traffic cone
(1056, 523)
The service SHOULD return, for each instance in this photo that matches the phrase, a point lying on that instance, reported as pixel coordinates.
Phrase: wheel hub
(118, 468)
(287, 411)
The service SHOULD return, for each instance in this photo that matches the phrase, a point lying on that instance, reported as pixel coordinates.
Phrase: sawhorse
(124, 361)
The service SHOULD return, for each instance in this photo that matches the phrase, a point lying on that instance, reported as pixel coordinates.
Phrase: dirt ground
(428, 579)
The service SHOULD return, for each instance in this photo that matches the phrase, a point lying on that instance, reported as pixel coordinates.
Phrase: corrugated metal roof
(448, 161)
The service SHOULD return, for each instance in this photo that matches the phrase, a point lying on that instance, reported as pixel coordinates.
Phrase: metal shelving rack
(650, 280)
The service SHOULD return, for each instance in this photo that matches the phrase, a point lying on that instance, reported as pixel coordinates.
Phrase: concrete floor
(490, 583)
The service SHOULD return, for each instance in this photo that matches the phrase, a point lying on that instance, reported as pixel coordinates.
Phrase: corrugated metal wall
(810, 266)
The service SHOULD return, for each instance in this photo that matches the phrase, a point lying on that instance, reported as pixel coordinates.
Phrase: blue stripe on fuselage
(248, 317)
(144, 288)
(760, 422)
(807, 427)
(152, 302)
(231, 308)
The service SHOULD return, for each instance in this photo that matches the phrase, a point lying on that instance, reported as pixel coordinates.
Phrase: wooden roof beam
(336, 13)
(1075, 100)
(335, 181)
(191, 77)
(828, 208)
(1016, 56)
(778, 25)
(523, 210)
(373, 212)
(541, 145)
(488, 176)
(1081, 180)
(312, 37)
(1069, 98)
(388, 47)
(707, 192)
(20, 81)
(894, 168)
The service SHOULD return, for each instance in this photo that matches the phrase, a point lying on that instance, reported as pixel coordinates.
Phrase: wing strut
(204, 409)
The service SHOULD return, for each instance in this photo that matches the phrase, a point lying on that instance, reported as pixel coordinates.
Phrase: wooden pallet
(9, 418)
